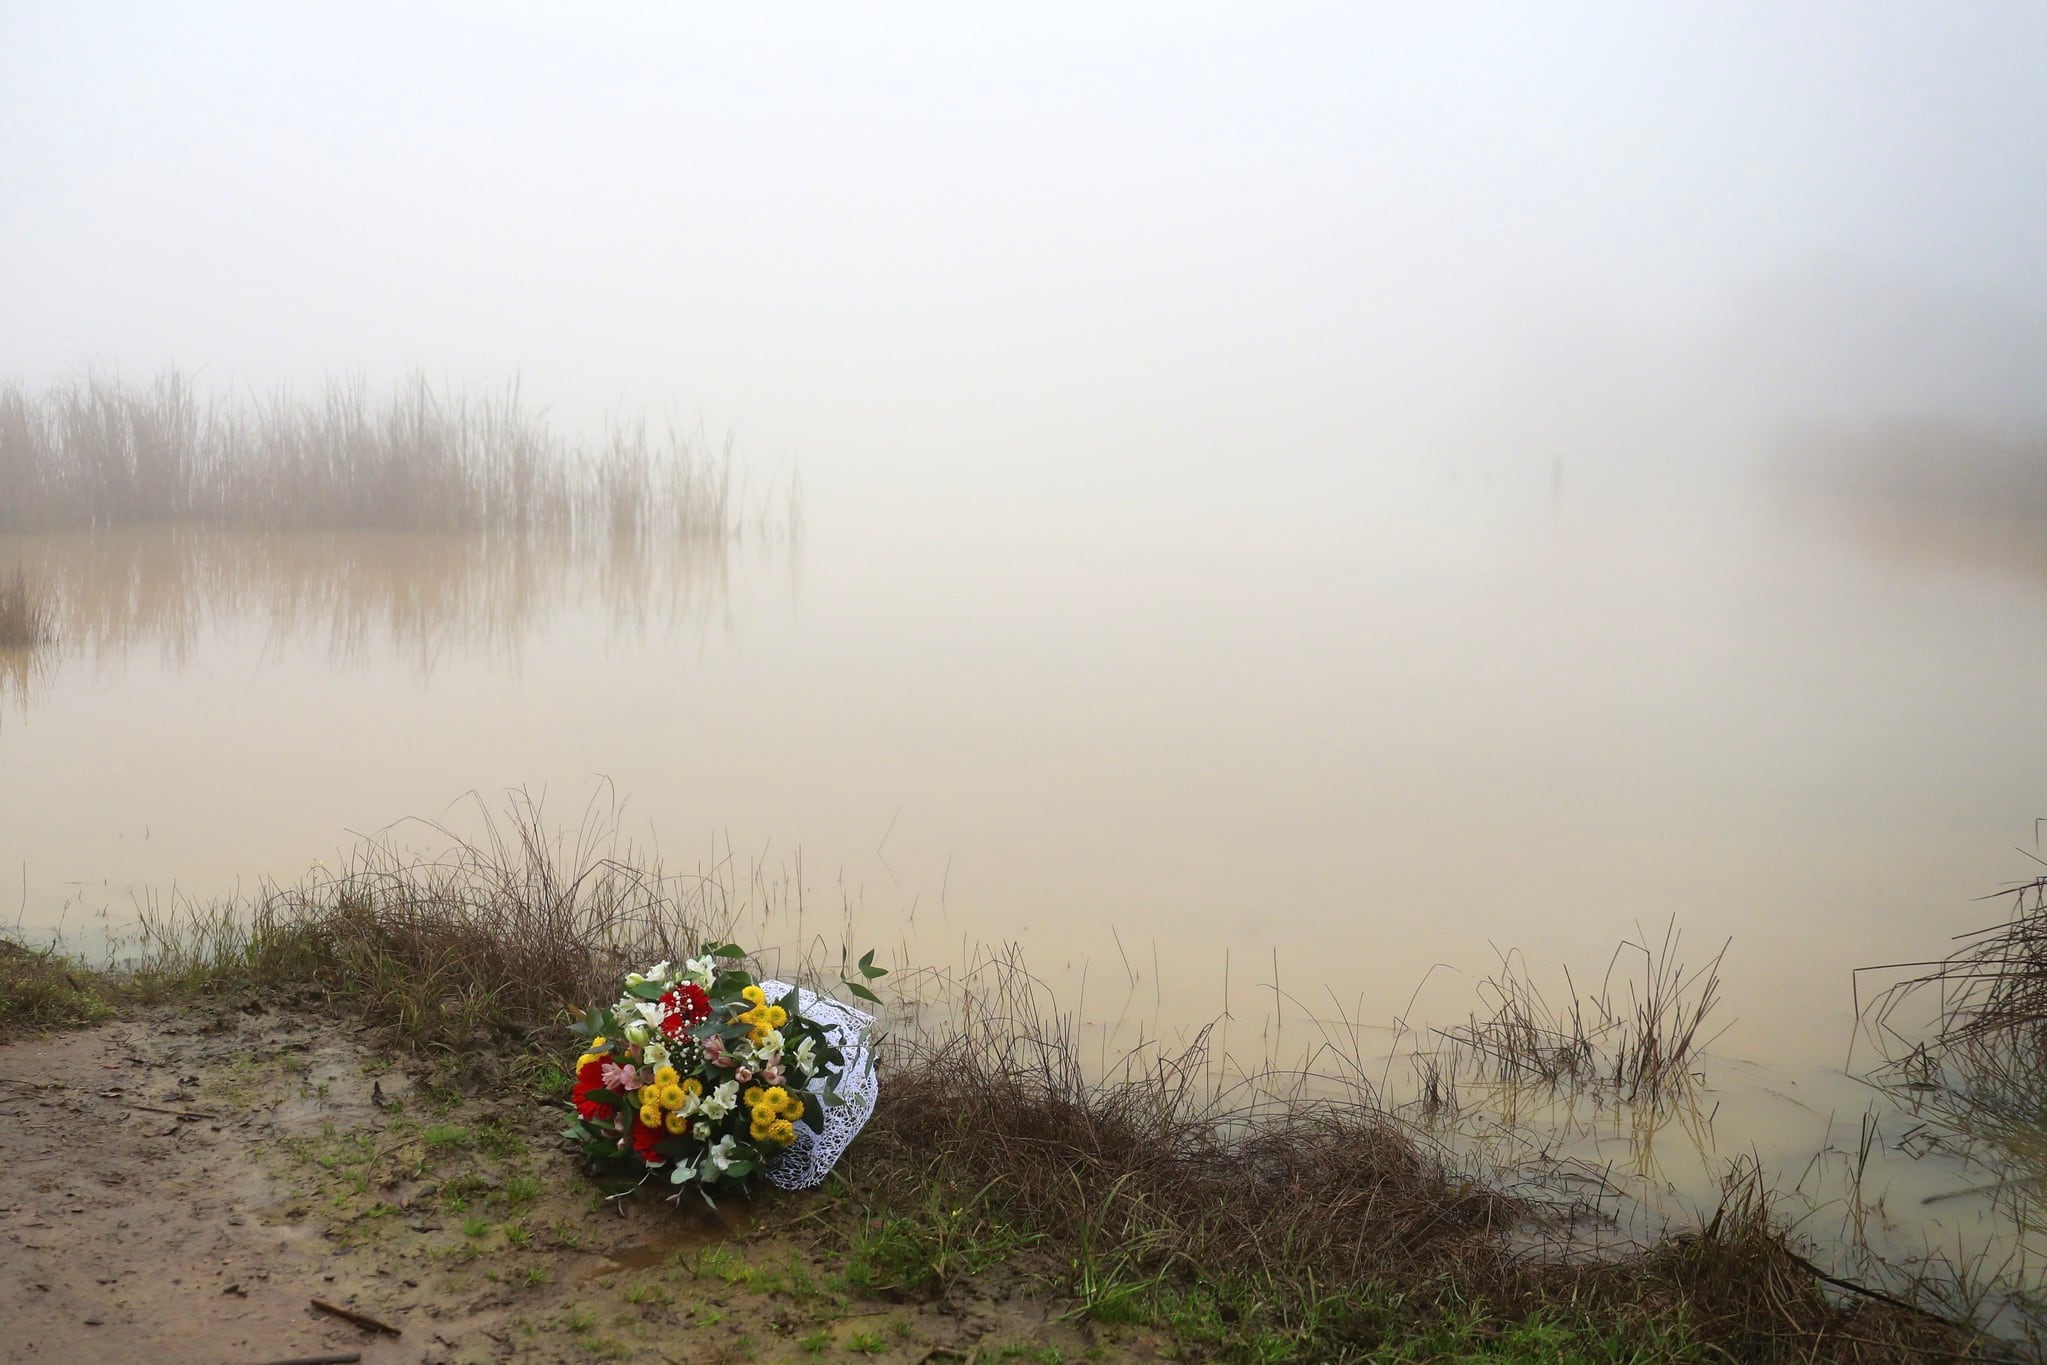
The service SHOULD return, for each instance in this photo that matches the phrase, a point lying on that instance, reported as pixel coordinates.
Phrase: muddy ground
(182, 1184)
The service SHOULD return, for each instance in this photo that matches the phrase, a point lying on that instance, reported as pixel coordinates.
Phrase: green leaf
(728, 950)
(646, 990)
(861, 991)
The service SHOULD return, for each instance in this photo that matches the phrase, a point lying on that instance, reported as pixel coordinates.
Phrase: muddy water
(1181, 765)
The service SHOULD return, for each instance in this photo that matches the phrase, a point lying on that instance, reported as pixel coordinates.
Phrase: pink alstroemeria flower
(620, 1078)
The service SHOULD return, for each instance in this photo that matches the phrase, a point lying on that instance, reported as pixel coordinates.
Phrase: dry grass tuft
(1744, 1287)
(498, 936)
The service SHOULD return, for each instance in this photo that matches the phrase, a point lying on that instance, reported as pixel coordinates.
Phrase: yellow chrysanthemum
(753, 1095)
(755, 995)
(758, 1131)
(777, 1016)
(782, 1131)
(692, 1086)
(650, 1114)
(792, 1108)
(671, 1096)
(677, 1124)
(666, 1075)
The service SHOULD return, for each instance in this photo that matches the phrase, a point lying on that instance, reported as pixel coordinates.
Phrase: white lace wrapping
(805, 1162)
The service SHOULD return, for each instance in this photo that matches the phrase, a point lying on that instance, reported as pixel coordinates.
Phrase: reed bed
(102, 452)
(1638, 1038)
(1937, 468)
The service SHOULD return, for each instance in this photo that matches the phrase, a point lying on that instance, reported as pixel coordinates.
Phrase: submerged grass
(1637, 1038)
(1982, 1062)
(1286, 1217)
(1271, 1217)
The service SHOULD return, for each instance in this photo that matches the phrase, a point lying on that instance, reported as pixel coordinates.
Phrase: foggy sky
(1120, 244)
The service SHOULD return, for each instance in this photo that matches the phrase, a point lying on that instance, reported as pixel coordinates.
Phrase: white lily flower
(701, 1132)
(720, 1155)
(634, 979)
(638, 1031)
(806, 1057)
(721, 1101)
(701, 970)
(770, 1046)
(654, 1054)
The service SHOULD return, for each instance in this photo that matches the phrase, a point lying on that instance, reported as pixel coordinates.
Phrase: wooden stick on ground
(359, 1319)
(174, 1113)
(345, 1358)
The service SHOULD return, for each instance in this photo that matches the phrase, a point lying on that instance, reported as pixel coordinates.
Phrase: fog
(1187, 268)
(1361, 488)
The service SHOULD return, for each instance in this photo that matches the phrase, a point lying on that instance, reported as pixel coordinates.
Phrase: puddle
(687, 1230)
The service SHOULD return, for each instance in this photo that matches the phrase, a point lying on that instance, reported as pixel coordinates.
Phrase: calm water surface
(1353, 757)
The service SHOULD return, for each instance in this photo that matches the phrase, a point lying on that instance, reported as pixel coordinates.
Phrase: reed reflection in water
(413, 597)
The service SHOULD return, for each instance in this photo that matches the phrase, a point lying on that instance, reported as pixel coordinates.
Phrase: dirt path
(182, 1184)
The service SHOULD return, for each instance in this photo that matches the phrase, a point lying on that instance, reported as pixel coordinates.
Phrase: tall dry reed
(103, 452)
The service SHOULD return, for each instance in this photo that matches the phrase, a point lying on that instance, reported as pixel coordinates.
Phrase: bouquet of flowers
(716, 1076)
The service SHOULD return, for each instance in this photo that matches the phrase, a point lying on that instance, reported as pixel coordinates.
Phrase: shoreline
(1122, 1220)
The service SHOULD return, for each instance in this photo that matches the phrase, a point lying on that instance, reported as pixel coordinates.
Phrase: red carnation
(686, 1005)
(644, 1139)
(590, 1076)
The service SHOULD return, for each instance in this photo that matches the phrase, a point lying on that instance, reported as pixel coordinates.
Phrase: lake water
(1352, 754)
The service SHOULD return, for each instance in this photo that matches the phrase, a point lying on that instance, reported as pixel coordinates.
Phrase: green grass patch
(42, 991)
